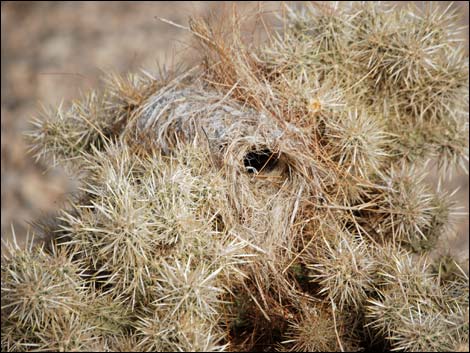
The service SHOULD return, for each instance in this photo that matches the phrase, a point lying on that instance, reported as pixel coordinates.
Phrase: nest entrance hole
(258, 161)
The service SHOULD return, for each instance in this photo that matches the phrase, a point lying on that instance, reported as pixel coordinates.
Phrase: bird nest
(272, 197)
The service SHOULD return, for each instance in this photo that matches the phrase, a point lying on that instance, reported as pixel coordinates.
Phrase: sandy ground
(54, 51)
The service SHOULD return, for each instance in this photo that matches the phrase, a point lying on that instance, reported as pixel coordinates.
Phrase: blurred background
(53, 51)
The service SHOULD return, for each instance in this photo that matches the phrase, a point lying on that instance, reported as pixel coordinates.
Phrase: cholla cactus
(272, 197)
